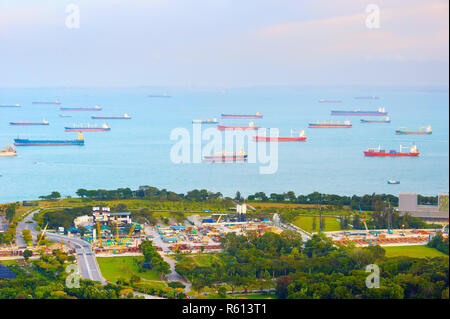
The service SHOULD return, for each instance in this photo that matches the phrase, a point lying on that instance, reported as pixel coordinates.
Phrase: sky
(223, 43)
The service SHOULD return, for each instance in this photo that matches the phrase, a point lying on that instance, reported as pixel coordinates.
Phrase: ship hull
(80, 109)
(245, 128)
(47, 103)
(359, 113)
(109, 118)
(86, 129)
(26, 142)
(374, 121)
(412, 133)
(329, 126)
(24, 124)
(278, 139)
(9, 105)
(200, 122)
(8, 154)
(385, 154)
(225, 158)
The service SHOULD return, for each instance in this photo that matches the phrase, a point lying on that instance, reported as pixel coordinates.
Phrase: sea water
(137, 152)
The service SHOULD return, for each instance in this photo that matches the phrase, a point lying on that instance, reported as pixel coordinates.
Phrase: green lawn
(113, 268)
(419, 251)
(8, 262)
(306, 222)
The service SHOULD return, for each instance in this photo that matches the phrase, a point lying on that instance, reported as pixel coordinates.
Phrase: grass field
(8, 262)
(113, 268)
(419, 251)
(203, 260)
(306, 222)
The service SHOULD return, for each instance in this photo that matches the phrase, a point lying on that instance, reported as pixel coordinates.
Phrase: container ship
(346, 124)
(209, 121)
(119, 117)
(421, 131)
(28, 142)
(413, 151)
(81, 108)
(381, 112)
(7, 105)
(223, 157)
(235, 116)
(387, 119)
(56, 102)
(87, 128)
(291, 138)
(251, 126)
(44, 122)
(8, 151)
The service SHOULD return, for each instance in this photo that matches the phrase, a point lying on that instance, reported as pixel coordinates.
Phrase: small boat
(56, 102)
(112, 117)
(393, 181)
(380, 112)
(223, 157)
(8, 151)
(346, 124)
(81, 108)
(44, 122)
(245, 116)
(292, 138)
(251, 126)
(421, 131)
(378, 152)
(387, 119)
(208, 121)
(9, 105)
(87, 128)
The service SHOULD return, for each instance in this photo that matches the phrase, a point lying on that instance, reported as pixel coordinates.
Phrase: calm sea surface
(137, 152)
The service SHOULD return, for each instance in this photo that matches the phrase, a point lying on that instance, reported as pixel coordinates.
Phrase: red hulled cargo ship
(413, 151)
(291, 138)
(251, 126)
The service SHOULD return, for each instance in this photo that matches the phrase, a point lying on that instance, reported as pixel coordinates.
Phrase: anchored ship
(44, 122)
(387, 119)
(119, 117)
(329, 101)
(159, 95)
(292, 138)
(8, 151)
(223, 157)
(63, 115)
(369, 97)
(209, 121)
(346, 124)
(421, 131)
(251, 126)
(28, 142)
(413, 151)
(393, 182)
(7, 105)
(56, 102)
(381, 112)
(245, 116)
(81, 108)
(87, 128)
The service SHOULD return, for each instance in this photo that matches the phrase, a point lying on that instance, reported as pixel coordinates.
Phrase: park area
(306, 223)
(416, 251)
(113, 268)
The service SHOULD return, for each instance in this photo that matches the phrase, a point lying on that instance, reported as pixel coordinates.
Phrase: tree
(27, 254)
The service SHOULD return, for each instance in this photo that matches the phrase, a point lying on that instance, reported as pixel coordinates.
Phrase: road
(86, 260)
(305, 236)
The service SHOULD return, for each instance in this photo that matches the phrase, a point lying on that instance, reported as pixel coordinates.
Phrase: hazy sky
(225, 43)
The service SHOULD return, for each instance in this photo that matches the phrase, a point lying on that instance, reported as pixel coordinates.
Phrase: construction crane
(128, 235)
(117, 230)
(365, 224)
(99, 230)
(42, 236)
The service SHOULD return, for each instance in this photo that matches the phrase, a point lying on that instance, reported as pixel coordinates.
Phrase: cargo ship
(28, 142)
(346, 124)
(369, 97)
(291, 138)
(56, 102)
(119, 117)
(223, 157)
(381, 112)
(209, 121)
(393, 182)
(245, 116)
(387, 119)
(159, 95)
(8, 151)
(413, 151)
(81, 108)
(87, 128)
(8, 105)
(63, 115)
(404, 131)
(251, 126)
(44, 122)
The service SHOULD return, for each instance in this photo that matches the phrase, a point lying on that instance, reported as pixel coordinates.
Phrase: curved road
(86, 261)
